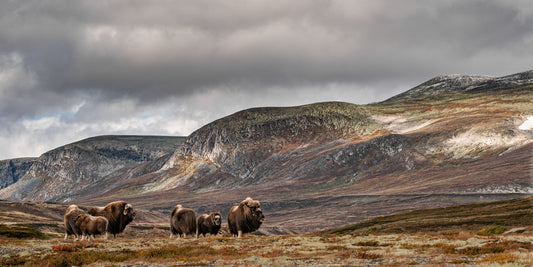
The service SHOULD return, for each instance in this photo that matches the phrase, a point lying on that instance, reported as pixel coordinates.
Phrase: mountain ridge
(457, 83)
(78, 164)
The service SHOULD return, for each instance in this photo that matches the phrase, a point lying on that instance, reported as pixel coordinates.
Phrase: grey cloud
(56, 56)
(155, 49)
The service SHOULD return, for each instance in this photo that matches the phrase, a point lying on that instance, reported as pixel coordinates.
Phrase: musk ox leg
(66, 236)
(239, 233)
(105, 236)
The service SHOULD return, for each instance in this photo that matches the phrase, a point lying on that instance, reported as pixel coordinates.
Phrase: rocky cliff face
(12, 170)
(68, 169)
(242, 141)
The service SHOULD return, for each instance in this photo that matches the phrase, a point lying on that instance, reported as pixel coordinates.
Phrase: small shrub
(21, 232)
(86, 257)
(13, 260)
(461, 261)
(496, 230)
(64, 248)
(365, 255)
(500, 258)
(370, 243)
(337, 247)
(475, 251)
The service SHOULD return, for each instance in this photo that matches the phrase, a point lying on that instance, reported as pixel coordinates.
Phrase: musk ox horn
(126, 208)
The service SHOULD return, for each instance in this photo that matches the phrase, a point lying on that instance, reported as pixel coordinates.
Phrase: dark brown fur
(92, 225)
(209, 224)
(182, 222)
(69, 219)
(118, 213)
(245, 218)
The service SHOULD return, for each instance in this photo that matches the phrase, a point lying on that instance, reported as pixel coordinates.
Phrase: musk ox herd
(112, 219)
(115, 216)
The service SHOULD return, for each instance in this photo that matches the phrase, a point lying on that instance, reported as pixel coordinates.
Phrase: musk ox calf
(69, 219)
(182, 222)
(92, 225)
(209, 224)
(118, 214)
(245, 218)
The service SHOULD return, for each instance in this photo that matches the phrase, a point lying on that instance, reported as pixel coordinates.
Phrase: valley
(452, 140)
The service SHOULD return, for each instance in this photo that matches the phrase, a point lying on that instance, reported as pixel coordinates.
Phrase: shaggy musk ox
(182, 222)
(245, 218)
(71, 214)
(118, 213)
(92, 225)
(209, 224)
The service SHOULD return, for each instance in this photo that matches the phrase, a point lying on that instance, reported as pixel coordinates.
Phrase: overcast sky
(75, 69)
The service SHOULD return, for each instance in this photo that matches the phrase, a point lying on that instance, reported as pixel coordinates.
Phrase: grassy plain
(464, 247)
(485, 234)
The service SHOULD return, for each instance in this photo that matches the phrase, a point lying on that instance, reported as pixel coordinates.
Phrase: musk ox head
(252, 211)
(129, 212)
(217, 219)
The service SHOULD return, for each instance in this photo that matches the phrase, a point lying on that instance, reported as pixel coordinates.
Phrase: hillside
(463, 84)
(506, 215)
(320, 165)
(66, 171)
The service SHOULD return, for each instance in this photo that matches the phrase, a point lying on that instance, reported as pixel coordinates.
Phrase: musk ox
(182, 222)
(209, 224)
(118, 213)
(69, 219)
(92, 225)
(245, 218)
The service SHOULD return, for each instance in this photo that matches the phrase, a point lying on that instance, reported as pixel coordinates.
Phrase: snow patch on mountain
(399, 124)
(506, 189)
(527, 125)
(471, 144)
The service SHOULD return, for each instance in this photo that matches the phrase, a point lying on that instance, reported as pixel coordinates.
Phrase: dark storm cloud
(96, 60)
(156, 49)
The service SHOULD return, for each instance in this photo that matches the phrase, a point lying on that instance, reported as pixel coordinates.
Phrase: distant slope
(508, 213)
(12, 170)
(463, 84)
(62, 172)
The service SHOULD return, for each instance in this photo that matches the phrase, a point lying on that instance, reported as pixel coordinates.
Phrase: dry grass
(324, 249)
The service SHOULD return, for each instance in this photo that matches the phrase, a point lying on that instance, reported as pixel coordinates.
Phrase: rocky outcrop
(60, 173)
(240, 142)
(12, 170)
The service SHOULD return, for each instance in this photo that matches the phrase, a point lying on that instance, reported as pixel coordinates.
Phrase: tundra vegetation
(445, 236)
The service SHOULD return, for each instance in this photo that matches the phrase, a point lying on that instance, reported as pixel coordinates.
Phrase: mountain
(452, 140)
(74, 168)
(12, 170)
(456, 83)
